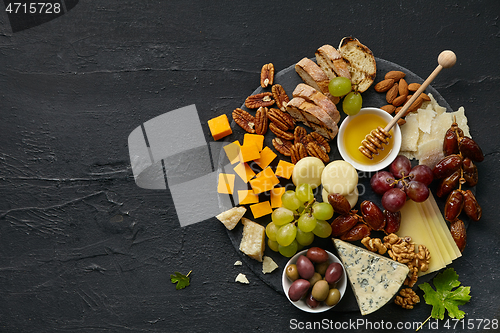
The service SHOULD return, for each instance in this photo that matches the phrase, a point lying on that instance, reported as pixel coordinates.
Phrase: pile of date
(455, 171)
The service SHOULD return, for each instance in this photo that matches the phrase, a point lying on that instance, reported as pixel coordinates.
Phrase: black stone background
(83, 249)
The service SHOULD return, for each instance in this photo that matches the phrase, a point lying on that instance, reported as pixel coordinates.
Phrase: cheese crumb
(238, 263)
(268, 265)
(241, 278)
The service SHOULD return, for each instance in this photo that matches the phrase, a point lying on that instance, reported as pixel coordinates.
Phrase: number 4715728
(485, 324)
(33, 8)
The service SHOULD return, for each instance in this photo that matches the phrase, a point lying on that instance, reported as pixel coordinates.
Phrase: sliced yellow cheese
(226, 183)
(413, 225)
(284, 169)
(249, 152)
(254, 139)
(246, 197)
(276, 194)
(233, 151)
(432, 202)
(261, 209)
(244, 171)
(264, 181)
(266, 157)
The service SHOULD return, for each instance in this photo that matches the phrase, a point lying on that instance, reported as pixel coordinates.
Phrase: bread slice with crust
(361, 62)
(331, 62)
(293, 109)
(313, 116)
(317, 97)
(314, 76)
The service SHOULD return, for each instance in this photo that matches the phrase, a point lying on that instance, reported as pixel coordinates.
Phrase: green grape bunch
(299, 219)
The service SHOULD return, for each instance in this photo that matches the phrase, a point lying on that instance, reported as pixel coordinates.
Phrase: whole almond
(392, 93)
(425, 97)
(413, 86)
(389, 108)
(395, 75)
(403, 87)
(384, 85)
(415, 106)
(400, 100)
(401, 121)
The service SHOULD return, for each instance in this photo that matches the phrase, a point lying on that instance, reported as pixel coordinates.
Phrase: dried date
(471, 206)
(454, 205)
(457, 229)
(339, 203)
(372, 215)
(448, 184)
(392, 222)
(469, 148)
(358, 232)
(447, 166)
(470, 172)
(343, 224)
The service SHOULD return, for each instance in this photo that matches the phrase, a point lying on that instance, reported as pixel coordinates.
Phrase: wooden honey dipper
(374, 140)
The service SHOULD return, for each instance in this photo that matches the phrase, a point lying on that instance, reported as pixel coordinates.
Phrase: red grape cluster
(402, 182)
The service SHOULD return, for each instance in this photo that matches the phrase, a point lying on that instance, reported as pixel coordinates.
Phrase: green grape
(304, 238)
(306, 222)
(281, 216)
(323, 229)
(286, 234)
(339, 86)
(352, 103)
(289, 250)
(289, 200)
(304, 192)
(322, 210)
(273, 245)
(271, 230)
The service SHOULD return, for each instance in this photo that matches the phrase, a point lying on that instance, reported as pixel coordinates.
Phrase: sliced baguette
(331, 62)
(314, 76)
(293, 109)
(317, 97)
(312, 116)
(361, 62)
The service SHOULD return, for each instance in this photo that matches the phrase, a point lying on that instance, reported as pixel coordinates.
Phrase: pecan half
(313, 149)
(299, 134)
(280, 96)
(298, 152)
(244, 119)
(258, 100)
(261, 121)
(281, 119)
(321, 141)
(267, 75)
(283, 146)
(279, 132)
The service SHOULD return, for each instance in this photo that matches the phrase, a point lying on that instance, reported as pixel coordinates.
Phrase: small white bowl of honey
(354, 129)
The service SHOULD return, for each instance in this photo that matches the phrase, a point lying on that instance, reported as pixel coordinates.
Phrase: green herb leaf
(181, 280)
(444, 297)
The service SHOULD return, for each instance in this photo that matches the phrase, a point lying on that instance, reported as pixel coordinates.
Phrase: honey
(356, 130)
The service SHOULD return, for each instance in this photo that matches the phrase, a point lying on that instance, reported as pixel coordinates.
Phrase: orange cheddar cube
(246, 197)
(249, 152)
(244, 171)
(233, 151)
(255, 139)
(284, 169)
(264, 181)
(219, 127)
(226, 183)
(261, 209)
(266, 157)
(276, 194)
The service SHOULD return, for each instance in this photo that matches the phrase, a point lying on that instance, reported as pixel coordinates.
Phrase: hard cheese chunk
(253, 241)
(374, 279)
(231, 217)
(219, 127)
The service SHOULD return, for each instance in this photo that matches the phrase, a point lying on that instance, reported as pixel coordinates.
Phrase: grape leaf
(444, 297)
(181, 280)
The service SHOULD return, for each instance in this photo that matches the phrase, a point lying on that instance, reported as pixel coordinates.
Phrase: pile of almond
(398, 92)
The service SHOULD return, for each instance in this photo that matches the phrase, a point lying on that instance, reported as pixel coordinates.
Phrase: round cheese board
(289, 79)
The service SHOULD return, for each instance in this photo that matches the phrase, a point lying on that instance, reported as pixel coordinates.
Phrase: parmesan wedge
(231, 217)
(253, 241)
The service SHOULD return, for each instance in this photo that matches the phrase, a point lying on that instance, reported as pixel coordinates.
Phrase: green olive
(292, 273)
(320, 290)
(333, 297)
(321, 268)
(316, 277)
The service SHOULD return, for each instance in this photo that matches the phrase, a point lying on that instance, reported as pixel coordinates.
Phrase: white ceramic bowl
(396, 137)
(301, 304)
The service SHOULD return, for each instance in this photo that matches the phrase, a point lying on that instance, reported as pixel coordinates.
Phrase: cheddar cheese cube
(233, 151)
(244, 171)
(261, 209)
(264, 181)
(266, 157)
(284, 169)
(249, 152)
(256, 139)
(226, 183)
(219, 127)
(246, 197)
(276, 194)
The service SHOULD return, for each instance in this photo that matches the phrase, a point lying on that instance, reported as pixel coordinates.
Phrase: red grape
(400, 167)
(382, 181)
(417, 191)
(394, 199)
(422, 173)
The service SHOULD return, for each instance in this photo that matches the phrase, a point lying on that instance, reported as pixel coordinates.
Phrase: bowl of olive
(314, 280)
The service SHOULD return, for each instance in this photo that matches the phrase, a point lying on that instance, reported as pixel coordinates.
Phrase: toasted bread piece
(331, 62)
(313, 116)
(317, 97)
(361, 62)
(253, 242)
(314, 76)
(293, 109)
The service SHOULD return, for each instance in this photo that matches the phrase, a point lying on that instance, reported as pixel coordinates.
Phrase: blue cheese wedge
(374, 279)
